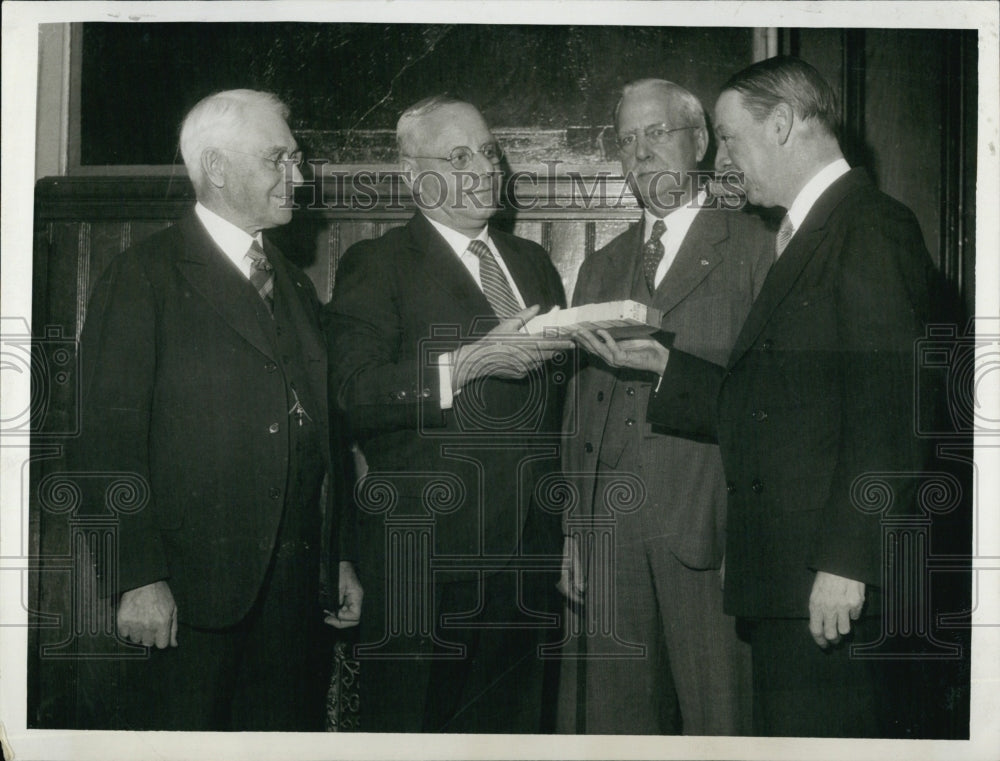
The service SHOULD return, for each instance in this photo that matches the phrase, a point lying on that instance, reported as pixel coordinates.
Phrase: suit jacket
(705, 297)
(183, 385)
(399, 302)
(817, 393)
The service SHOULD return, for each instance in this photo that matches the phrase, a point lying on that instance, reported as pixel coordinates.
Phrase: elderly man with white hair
(204, 373)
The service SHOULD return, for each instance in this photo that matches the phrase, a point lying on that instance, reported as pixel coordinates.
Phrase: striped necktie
(495, 286)
(652, 253)
(785, 233)
(261, 274)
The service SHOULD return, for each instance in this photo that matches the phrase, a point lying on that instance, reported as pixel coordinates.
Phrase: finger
(161, 635)
(333, 621)
(816, 629)
(843, 621)
(830, 626)
(173, 629)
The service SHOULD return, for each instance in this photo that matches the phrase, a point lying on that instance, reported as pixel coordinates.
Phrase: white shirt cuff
(446, 393)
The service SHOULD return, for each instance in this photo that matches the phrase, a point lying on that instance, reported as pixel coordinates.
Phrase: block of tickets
(622, 319)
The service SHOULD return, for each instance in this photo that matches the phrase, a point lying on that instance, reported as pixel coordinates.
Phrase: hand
(571, 581)
(148, 615)
(351, 596)
(833, 604)
(636, 353)
(505, 352)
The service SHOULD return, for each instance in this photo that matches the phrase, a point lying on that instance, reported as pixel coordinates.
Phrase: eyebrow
(279, 149)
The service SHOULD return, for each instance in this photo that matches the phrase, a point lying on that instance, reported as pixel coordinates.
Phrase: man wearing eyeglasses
(459, 418)
(674, 659)
(814, 411)
(204, 374)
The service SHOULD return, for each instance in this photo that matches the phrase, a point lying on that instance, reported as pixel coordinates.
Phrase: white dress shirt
(459, 243)
(678, 223)
(233, 241)
(813, 189)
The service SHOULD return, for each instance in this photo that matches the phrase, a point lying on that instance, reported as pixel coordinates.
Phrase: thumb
(515, 322)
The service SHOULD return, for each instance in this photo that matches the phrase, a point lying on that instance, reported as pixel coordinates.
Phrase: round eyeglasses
(277, 161)
(461, 157)
(655, 134)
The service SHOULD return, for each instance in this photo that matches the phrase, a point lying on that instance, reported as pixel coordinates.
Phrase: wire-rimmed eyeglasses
(655, 134)
(461, 157)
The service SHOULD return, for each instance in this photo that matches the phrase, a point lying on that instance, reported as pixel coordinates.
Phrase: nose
(297, 178)
(722, 160)
(642, 151)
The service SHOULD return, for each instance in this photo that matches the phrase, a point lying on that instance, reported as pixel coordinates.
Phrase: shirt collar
(456, 240)
(813, 189)
(679, 219)
(233, 241)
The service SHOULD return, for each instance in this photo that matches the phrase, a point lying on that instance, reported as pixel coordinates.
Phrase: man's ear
(701, 142)
(213, 165)
(779, 123)
(407, 168)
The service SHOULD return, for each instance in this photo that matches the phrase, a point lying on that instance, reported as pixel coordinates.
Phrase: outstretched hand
(506, 352)
(635, 353)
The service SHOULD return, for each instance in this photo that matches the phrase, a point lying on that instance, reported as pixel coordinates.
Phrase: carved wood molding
(530, 193)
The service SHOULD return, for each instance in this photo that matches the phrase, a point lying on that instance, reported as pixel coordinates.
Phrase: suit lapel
(785, 272)
(436, 260)
(289, 290)
(621, 267)
(525, 276)
(213, 276)
(698, 255)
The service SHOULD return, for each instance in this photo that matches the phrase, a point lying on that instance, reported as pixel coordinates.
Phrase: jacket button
(630, 391)
(270, 367)
(274, 492)
(767, 345)
(730, 487)
(629, 422)
(759, 415)
(600, 396)
(273, 428)
(588, 447)
(757, 485)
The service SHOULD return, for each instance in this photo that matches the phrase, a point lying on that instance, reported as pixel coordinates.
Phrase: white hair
(407, 133)
(691, 109)
(217, 120)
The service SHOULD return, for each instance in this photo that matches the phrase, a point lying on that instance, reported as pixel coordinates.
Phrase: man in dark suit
(817, 393)
(702, 267)
(458, 420)
(204, 372)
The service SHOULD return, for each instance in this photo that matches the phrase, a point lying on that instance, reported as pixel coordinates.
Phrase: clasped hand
(505, 352)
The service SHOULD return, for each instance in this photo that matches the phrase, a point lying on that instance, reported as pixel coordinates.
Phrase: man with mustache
(816, 395)
(702, 266)
(458, 418)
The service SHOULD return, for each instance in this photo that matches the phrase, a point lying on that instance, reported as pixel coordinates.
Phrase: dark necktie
(652, 253)
(261, 274)
(495, 286)
(785, 233)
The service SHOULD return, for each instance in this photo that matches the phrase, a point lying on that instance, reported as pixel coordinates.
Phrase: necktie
(495, 286)
(785, 233)
(261, 274)
(652, 253)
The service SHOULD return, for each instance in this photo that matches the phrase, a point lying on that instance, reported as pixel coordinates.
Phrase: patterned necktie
(261, 274)
(785, 233)
(495, 286)
(652, 253)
